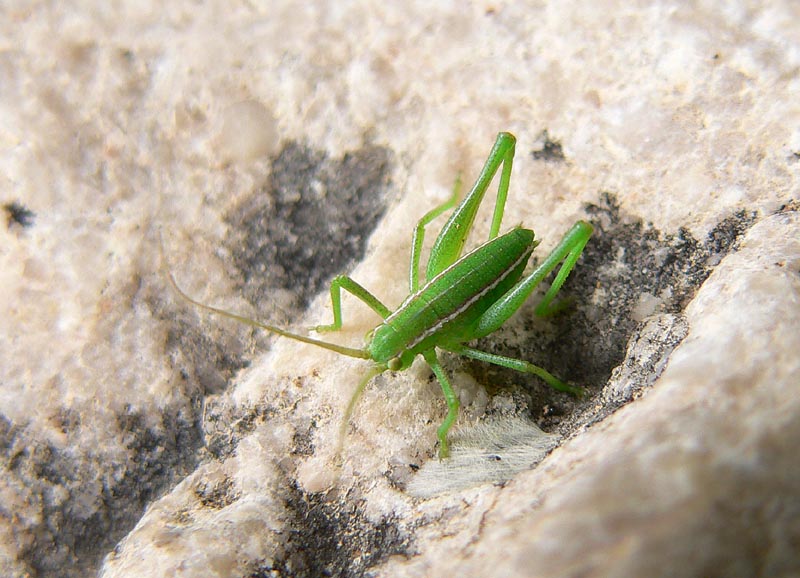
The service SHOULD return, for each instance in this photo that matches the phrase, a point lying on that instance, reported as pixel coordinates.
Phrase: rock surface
(269, 147)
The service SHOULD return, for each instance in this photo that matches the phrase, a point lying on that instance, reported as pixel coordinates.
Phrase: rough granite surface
(269, 146)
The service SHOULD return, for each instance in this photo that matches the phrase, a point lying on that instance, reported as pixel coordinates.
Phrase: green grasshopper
(460, 299)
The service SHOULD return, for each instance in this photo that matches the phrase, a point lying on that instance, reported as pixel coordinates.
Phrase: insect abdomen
(445, 304)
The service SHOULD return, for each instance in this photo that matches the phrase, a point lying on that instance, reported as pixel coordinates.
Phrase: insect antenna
(348, 351)
(351, 405)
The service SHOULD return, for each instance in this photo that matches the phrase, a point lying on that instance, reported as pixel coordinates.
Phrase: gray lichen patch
(334, 537)
(204, 358)
(75, 502)
(226, 423)
(309, 222)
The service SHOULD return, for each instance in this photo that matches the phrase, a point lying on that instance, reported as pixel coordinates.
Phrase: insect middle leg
(344, 282)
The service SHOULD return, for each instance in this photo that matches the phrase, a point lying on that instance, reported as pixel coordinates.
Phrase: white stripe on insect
(469, 302)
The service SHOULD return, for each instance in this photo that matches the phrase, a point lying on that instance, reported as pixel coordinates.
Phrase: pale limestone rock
(141, 438)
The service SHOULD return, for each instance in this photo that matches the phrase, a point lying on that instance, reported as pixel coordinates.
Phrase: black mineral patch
(309, 222)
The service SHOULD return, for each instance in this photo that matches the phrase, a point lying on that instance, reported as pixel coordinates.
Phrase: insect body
(460, 299)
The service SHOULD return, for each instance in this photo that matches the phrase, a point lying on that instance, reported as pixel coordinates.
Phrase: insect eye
(395, 363)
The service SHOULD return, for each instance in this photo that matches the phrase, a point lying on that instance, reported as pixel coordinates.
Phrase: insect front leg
(568, 251)
(344, 282)
(450, 243)
(450, 397)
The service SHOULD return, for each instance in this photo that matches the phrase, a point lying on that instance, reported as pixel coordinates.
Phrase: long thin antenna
(348, 351)
(351, 405)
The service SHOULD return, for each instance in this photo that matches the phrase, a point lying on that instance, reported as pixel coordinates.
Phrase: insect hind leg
(574, 241)
(519, 365)
(450, 243)
(568, 251)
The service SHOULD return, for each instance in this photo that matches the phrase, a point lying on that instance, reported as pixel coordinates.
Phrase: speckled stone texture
(268, 146)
